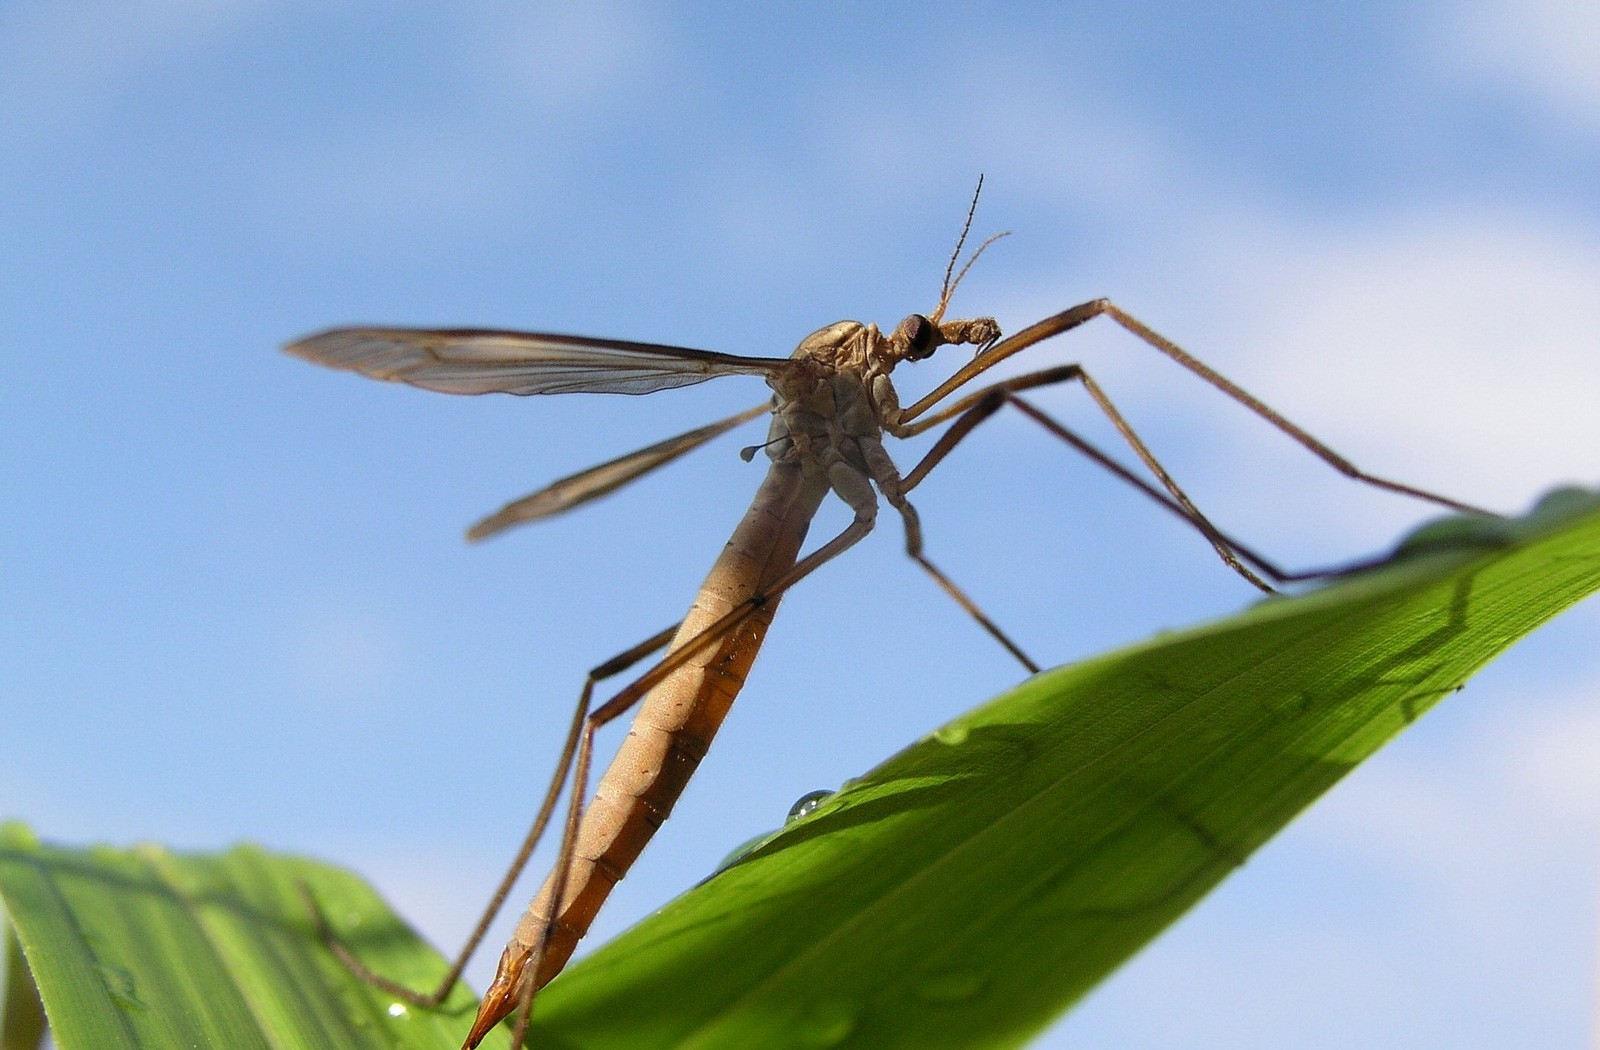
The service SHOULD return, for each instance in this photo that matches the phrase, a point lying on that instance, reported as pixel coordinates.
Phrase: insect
(832, 404)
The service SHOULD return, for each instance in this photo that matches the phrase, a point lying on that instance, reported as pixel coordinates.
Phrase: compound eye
(920, 335)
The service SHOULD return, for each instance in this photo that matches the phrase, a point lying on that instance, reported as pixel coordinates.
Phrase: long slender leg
(999, 395)
(979, 406)
(976, 409)
(1218, 541)
(1077, 315)
(341, 951)
(1100, 458)
(960, 597)
(971, 411)
(913, 527)
(1266, 567)
(990, 400)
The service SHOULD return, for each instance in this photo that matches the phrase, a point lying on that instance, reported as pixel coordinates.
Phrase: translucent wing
(479, 361)
(595, 482)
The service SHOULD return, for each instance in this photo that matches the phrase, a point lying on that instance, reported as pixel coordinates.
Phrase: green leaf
(21, 1016)
(145, 948)
(974, 886)
(960, 895)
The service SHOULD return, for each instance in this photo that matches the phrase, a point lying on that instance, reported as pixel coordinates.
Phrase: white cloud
(1546, 50)
(1461, 349)
(1556, 764)
(1511, 806)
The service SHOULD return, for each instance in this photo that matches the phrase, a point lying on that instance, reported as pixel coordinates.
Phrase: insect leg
(980, 405)
(1084, 312)
(614, 666)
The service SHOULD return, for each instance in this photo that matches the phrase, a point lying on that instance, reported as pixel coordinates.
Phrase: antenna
(948, 289)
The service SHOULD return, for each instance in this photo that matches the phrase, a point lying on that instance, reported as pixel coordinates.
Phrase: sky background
(235, 603)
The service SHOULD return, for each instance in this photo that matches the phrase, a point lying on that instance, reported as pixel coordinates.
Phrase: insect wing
(606, 477)
(481, 361)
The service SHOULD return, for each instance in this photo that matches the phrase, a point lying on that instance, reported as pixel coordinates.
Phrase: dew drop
(953, 734)
(739, 852)
(120, 986)
(397, 1010)
(1286, 707)
(807, 804)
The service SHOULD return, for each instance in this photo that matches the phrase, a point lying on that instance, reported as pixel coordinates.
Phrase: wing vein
(481, 361)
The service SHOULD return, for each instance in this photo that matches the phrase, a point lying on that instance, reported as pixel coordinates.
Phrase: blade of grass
(974, 886)
(146, 948)
(21, 1015)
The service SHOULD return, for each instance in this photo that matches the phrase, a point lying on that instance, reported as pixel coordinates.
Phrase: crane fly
(832, 403)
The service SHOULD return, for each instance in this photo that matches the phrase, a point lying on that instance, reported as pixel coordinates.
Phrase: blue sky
(237, 604)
